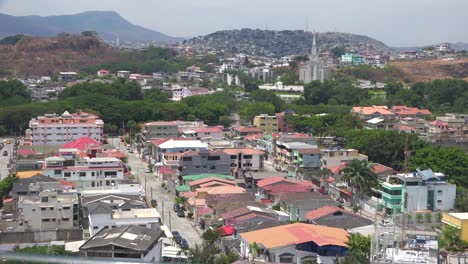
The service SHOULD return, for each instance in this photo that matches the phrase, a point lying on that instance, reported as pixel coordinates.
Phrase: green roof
(183, 188)
(267, 136)
(188, 178)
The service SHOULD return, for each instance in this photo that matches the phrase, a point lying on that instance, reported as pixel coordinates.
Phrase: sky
(395, 22)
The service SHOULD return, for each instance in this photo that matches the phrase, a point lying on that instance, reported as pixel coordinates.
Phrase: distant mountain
(284, 42)
(107, 24)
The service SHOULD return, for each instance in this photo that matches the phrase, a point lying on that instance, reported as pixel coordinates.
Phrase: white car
(147, 170)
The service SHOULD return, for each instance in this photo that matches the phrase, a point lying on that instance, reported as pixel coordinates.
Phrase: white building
(123, 74)
(179, 92)
(88, 172)
(104, 216)
(54, 129)
(280, 87)
(48, 211)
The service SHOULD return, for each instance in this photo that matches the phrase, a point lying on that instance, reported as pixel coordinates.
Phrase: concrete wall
(40, 236)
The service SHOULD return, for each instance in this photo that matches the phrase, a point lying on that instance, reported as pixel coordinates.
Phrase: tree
(211, 236)
(419, 218)
(202, 254)
(5, 186)
(360, 177)
(254, 249)
(53, 250)
(180, 200)
(360, 247)
(338, 51)
(269, 97)
(461, 199)
(451, 239)
(251, 109)
(428, 217)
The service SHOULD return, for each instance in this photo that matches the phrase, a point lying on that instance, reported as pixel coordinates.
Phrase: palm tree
(181, 200)
(360, 177)
(202, 254)
(360, 247)
(254, 250)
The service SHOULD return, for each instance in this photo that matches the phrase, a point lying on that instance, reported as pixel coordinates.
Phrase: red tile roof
(286, 188)
(401, 127)
(23, 152)
(215, 129)
(158, 141)
(248, 129)
(322, 211)
(204, 211)
(379, 168)
(309, 151)
(253, 137)
(369, 110)
(81, 143)
(276, 179)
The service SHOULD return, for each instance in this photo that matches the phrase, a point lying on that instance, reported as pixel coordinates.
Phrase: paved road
(4, 160)
(163, 198)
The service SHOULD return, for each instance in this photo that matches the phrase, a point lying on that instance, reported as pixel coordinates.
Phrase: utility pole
(162, 209)
(403, 218)
(170, 224)
(151, 193)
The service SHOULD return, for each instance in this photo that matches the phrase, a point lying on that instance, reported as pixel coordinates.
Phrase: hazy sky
(395, 22)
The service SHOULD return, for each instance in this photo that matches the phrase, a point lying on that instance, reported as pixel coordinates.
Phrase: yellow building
(457, 220)
(269, 124)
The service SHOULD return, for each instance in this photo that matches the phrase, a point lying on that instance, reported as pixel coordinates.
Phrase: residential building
(49, 210)
(53, 129)
(267, 123)
(369, 112)
(126, 243)
(417, 125)
(298, 204)
(252, 213)
(243, 131)
(67, 76)
(335, 156)
(179, 92)
(284, 151)
(111, 210)
(418, 191)
(160, 129)
(103, 73)
(333, 216)
(167, 129)
(296, 243)
(283, 126)
(123, 74)
(314, 69)
(169, 151)
(263, 74)
(87, 172)
(204, 161)
(32, 186)
(246, 159)
(459, 221)
(403, 111)
(280, 87)
(306, 160)
(206, 133)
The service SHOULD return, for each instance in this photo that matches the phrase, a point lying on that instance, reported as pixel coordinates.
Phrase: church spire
(313, 52)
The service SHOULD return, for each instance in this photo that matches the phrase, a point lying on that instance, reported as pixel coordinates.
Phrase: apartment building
(167, 129)
(335, 156)
(246, 159)
(418, 191)
(54, 129)
(267, 123)
(49, 210)
(204, 161)
(87, 172)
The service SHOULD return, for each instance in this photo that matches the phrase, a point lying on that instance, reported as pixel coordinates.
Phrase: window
(51, 208)
(197, 167)
(92, 173)
(57, 172)
(110, 173)
(66, 208)
(95, 227)
(233, 156)
(45, 199)
(67, 174)
(247, 156)
(439, 201)
(213, 167)
(82, 174)
(186, 158)
(65, 219)
(214, 158)
(43, 209)
(46, 220)
(34, 210)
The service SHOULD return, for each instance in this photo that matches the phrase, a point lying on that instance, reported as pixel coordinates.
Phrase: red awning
(227, 230)
(348, 193)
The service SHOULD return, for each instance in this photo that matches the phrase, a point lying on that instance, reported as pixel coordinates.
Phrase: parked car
(183, 244)
(181, 213)
(130, 150)
(5, 153)
(177, 236)
(147, 170)
(176, 207)
(8, 142)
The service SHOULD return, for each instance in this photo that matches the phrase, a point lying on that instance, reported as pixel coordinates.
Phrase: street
(164, 199)
(4, 160)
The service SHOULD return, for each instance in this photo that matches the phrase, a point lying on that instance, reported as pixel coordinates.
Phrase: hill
(430, 70)
(284, 42)
(32, 56)
(107, 24)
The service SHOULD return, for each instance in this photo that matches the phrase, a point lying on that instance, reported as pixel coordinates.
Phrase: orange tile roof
(297, 233)
(221, 189)
(209, 179)
(368, 110)
(245, 151)
(323, 211)
(212, 183)
(277, 179)
(28, 174)
(248, 129)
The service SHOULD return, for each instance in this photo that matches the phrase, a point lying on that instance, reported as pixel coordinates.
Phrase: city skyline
(396, 23)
